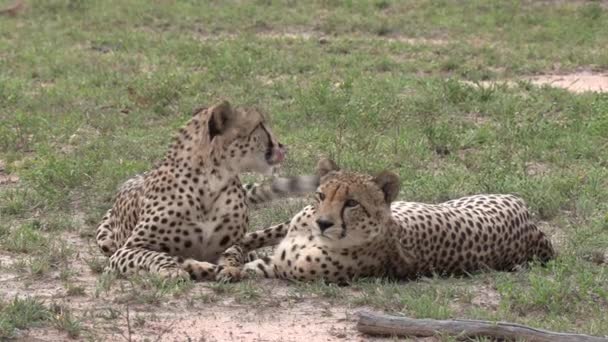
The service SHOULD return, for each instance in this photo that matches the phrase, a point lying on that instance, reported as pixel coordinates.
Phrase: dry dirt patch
(536, 169)
(286, 322)
(577, 82)
(275, 316)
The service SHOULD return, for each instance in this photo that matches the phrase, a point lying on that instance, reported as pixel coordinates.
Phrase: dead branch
(379, 324)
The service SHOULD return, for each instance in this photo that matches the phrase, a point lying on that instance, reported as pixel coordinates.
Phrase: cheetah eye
(320, 196)
(351, 203)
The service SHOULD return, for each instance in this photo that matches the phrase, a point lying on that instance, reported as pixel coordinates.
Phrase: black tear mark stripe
(270, 143)
(253, 130)
(343, 234)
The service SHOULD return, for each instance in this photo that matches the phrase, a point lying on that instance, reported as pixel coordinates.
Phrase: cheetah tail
(280, 187)
(543, 248)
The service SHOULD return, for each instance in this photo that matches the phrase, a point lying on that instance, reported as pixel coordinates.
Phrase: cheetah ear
(325, 166)
(220, 119)
(389, 184)
(199, 110)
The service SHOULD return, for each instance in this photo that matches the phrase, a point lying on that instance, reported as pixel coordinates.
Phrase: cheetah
(357, 229)
(179, 219)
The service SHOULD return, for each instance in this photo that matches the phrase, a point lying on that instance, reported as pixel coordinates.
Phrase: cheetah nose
(324, 224)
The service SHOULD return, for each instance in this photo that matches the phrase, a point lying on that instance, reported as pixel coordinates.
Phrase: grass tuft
(21, 314)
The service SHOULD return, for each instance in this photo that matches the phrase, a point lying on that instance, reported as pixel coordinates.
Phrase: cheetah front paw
(174, 273)
(229, 274)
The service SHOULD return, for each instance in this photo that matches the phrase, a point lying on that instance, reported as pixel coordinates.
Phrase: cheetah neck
(189, 146)
(401, 254)
(365, 247)
(189, 159)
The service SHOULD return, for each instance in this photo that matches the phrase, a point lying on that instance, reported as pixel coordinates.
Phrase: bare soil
(197, 315)
(578, 82)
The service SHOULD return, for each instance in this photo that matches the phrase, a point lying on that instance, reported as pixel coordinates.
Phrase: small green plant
(25, 239)
(104, 283)
(64, 320)
(96, 264)
(59, 222)
(205, 298)
(248, 291)
(38, 265)
(75, 290)
(17, 202)
(151, 288)
(21, 314)
(321, 289)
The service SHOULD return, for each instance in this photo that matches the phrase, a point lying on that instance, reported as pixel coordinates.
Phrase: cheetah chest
(306, 255)
(204, 234)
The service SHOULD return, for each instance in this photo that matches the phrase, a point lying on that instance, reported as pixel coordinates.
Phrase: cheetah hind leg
(134, 260)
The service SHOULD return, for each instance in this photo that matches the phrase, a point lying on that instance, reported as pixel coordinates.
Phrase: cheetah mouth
(275, 155)
(333, 235)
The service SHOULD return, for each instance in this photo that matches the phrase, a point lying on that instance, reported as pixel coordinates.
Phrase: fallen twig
(379, 324)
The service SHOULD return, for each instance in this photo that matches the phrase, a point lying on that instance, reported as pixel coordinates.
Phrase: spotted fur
(179, 219)
(357, 229)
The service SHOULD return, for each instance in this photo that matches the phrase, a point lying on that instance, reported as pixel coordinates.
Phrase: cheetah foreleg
(105, 236)
(267, 237)
(260, 268)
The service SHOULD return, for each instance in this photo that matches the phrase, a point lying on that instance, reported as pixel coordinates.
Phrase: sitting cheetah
(355, 229)
(177, 219)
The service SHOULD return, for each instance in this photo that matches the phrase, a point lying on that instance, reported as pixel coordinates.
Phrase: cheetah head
(353, 208)
(241, 137)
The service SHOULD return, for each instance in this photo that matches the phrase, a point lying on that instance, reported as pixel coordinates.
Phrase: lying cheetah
(355, 229)
(178, 219)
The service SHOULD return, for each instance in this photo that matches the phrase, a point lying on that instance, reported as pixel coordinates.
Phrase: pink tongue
(279, 155)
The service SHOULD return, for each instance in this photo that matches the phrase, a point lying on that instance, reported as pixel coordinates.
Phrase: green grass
(21, 314)
(152, 289)
(64, 320)
(92, 91)
(36, 252)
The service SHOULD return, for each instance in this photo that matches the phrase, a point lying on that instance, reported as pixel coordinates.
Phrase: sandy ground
(578, 82)
(117, 315)
(277, 317)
